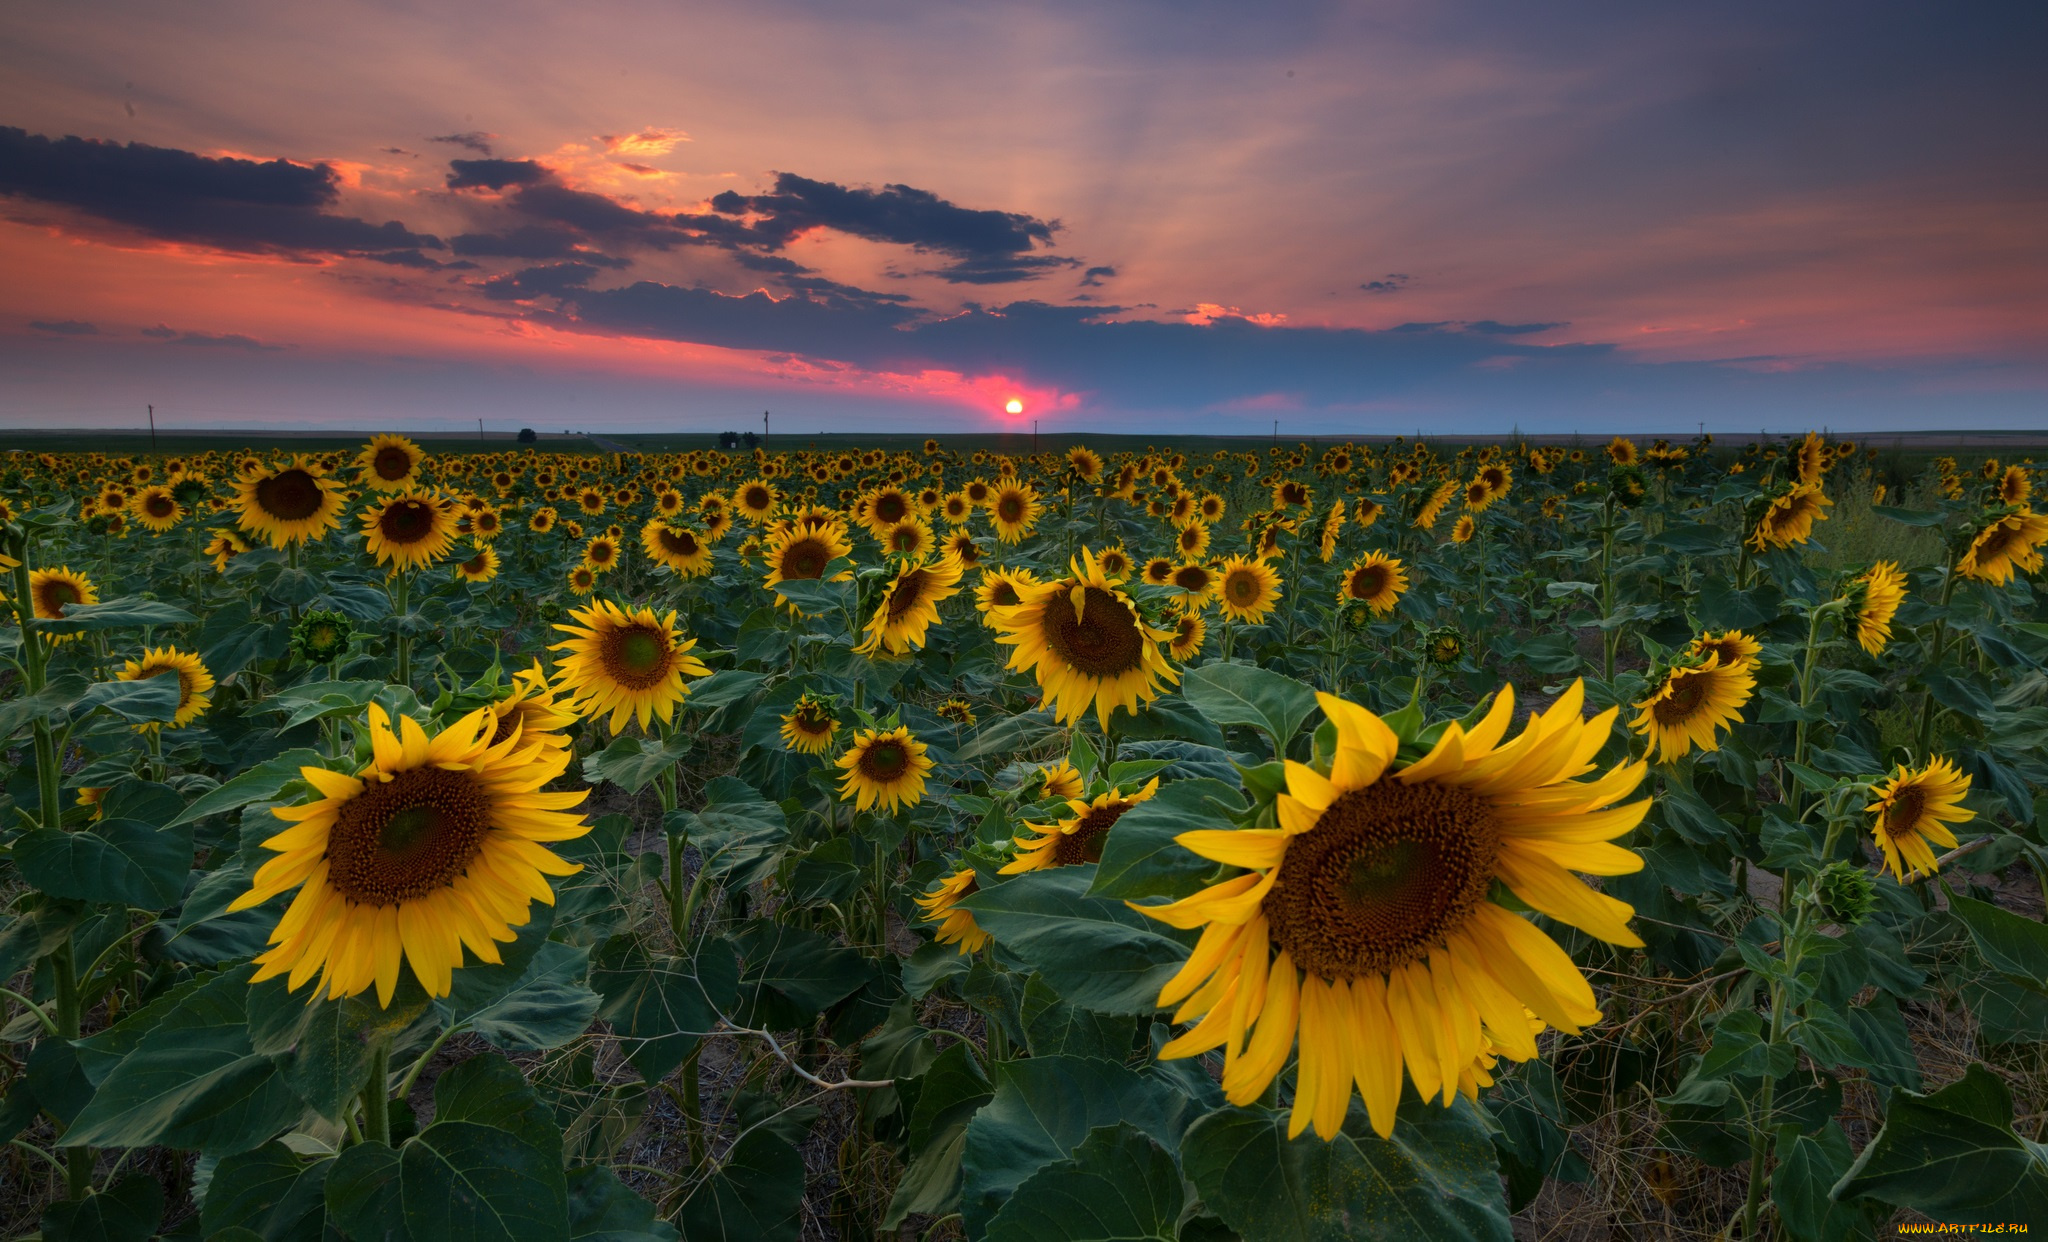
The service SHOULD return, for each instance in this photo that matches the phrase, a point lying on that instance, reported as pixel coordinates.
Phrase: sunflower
(1014, 507)
(885, 768)
(1697, 696)
(1788, 519)
(1733, 646)
(1911, 811)
(1327, 546)
(910, 606)
(885, 507)
(1077, 838)
(677, 547)
(801, 554)
(1191, 540)
(961, 547)
(322, 636)
(193, 683)
(1365, 922)
(601, 554)
(1444, 646)
(543, 520)
(582, 580)
(1189, 633)
(910, 540)
(1249, 589)
(156, 508)
(808, 726)
(957, 710)
(50, 589)
(956, 508)
(288, 504)
(1433, 507)
(1001, 588)
(1622, 451)
(1060, 780)
(2009, 542)
(225, 546)
(1376, 579)
(482, 566)
(1197, 585)
(390, 463)
(1877, 594)
(2016, 486)
(532, 710)
(1087, 642)
(625, 662)
(756, 501)
(942, 906)
(408, 530)
(1463, 529)
(1159, 570)
(437, 845)
(1810, 459)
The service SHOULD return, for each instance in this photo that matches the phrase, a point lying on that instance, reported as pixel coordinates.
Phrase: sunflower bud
(1627, 486)
(1444, 646)
(1845, 892)
(322, 637)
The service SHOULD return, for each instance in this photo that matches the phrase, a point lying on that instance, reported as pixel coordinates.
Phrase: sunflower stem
(376, 1097)
(401, 592)
(1610, 635)
(1925, 734)
(693, 1107)
(78, 1161)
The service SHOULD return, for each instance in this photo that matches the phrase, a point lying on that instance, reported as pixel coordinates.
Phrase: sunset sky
(1128, 216)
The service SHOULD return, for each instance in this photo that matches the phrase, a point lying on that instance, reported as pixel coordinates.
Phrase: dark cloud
(473, 140)
(162, 332)
(901, 214)
(531, 241)
(553, 280)
(823, 328)
(413, 258)
(1002, 270)
(1094, 276)
(1436, 326)
(1393, 282)
(220, 340)
(227, 204)
(1493, 327)
(65, 327)
(496, 174)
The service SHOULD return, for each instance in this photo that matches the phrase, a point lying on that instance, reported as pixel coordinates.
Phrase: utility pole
(152, 431)
(764, 429)
(479, 431)
(1276, 431)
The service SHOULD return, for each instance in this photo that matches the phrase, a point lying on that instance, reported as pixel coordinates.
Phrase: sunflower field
(1356, 841)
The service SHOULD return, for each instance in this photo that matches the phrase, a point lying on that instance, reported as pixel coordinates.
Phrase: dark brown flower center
(1104, 641)
(391, 463)
(635, 656)
(805, 558)
(1908, 803)
(289, 495)
(1084, 843)
(891, 507)
(1242, 586)
(1191, 578)
(407, 837)
(885, 760)
(1386, 873)
(1688, 694)
(679, 542)
(1010, 508)
(406, 522)
(160, 506)
(908, 593)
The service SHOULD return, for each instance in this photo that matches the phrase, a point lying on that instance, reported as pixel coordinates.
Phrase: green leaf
(193, 1080)
(364, 1198)
(1740, 1049)
(150, 700)
(1435, 1178)
(1007, 736)
(1140, 857)
(1954, 1156)
(1807, 1167)
(790, 975)
(462, 1181)
(2011, 944)
(632, 763)
(1052, 1027)
(932, 964)
(271, 1192)
(261, 783)
(738, 832)
(1692, 539)
(1720, 606)
(116, 860)
(1120, 1186)
(1042, 1109)
(117, 614)
(947, 1098)
(1242, 694)
(232, 646)
(604, 1209)
(659, 1006)
(59, 694)
(546, 1006)
(490, 1091)
(1097, 952)
(1909, 517)
(317, 700)
(756, 1196)
(722, 689)
(127, 1211)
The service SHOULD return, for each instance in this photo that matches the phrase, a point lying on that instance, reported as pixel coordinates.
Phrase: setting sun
(1015, 406)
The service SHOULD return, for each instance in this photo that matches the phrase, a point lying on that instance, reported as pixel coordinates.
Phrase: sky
(1184, 216)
